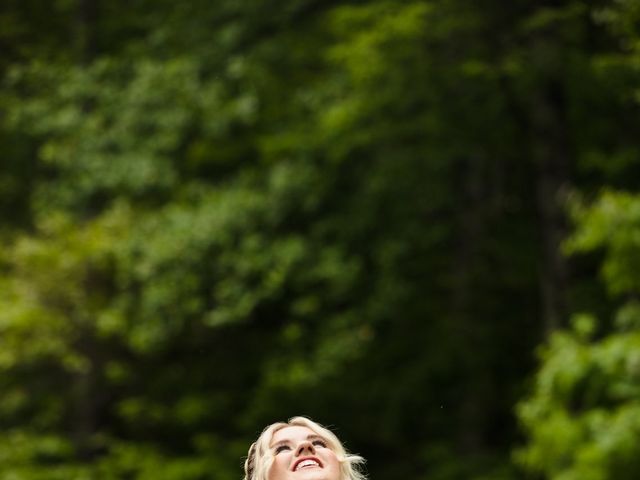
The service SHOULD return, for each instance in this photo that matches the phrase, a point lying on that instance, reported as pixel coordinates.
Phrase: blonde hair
(260, 457)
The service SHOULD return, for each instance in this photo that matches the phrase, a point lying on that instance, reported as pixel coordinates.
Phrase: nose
(305, 447)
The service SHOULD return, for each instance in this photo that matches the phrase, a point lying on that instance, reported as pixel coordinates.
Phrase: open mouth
(306, 463)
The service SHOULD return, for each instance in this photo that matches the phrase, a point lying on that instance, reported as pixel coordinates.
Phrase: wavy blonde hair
(260, 456)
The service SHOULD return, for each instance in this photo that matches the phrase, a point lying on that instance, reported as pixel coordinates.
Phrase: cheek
(335, 466)
(278, 468)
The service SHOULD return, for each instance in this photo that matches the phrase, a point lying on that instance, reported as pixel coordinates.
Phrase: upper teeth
(307, 463)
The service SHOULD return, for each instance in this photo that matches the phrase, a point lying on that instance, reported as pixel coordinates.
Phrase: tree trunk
(465, 328)
(551, 159)
(87, 19)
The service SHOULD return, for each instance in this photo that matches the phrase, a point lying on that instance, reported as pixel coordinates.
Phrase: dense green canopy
(216, 215)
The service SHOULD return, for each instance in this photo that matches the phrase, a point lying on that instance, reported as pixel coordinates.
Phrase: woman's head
(300, 449)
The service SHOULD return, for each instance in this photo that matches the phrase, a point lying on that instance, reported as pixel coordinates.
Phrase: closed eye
(282, 448)
(319, 443)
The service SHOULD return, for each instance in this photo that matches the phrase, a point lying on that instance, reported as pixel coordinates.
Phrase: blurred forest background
(417, 221)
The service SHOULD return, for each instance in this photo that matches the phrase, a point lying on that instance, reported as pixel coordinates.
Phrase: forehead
(292, 434)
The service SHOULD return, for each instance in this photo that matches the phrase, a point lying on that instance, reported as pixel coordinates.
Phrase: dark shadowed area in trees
(418, 222)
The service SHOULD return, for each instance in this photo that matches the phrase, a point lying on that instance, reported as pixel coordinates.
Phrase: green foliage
(58, 284)
(582, 417)
(216, 216)
(613, 224)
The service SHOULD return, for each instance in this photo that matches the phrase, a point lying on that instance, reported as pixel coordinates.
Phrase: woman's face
(301, 454)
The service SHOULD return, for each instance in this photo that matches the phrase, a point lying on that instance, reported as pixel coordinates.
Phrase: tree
(221, 216)
(581, 419)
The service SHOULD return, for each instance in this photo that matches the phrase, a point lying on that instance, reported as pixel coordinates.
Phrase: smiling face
(301, 454)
